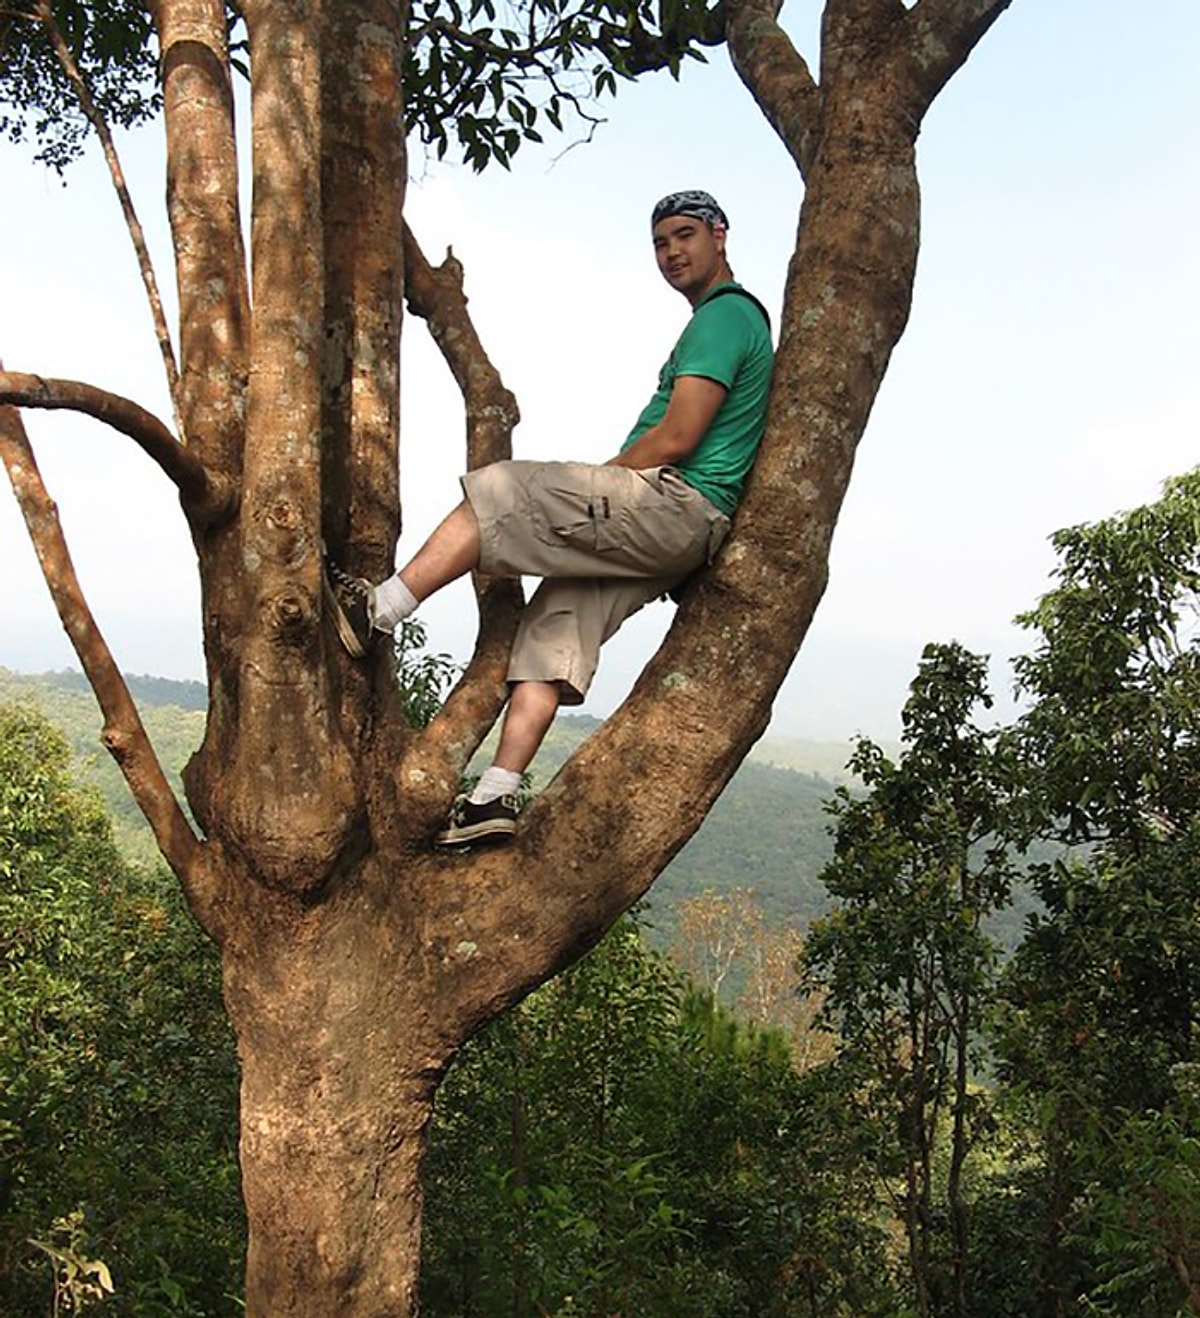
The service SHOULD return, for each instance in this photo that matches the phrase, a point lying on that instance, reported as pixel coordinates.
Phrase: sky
(1048, 375)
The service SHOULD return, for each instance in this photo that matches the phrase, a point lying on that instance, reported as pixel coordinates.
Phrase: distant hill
(766, 833)
(144, 689)
(174, 730)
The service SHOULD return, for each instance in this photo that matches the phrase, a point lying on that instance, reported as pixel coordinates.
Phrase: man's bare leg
(489, 814)
(531, 709)
(450, 552)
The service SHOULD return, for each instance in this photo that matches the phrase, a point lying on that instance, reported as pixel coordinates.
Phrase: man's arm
(695, 402)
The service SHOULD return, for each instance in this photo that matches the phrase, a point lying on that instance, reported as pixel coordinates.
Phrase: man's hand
(695, 401)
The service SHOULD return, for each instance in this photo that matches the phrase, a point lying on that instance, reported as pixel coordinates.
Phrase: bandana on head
(699, 205)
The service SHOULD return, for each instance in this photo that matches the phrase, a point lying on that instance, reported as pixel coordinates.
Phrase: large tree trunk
(356, 961)
(338, 1078)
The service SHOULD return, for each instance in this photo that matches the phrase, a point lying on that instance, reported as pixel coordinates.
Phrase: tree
(117, 1071)
(621, 1143)
(355, 962)
(1103, 998)
(906, 961)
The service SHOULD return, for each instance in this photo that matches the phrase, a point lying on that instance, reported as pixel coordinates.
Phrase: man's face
(690, 255)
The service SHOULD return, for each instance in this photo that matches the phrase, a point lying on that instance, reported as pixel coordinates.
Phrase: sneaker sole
(346, 633)
(490, 830)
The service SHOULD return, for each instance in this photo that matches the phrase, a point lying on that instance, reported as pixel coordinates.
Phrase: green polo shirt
(729, 341)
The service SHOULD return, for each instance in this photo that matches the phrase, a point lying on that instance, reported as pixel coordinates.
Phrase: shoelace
(355, 585)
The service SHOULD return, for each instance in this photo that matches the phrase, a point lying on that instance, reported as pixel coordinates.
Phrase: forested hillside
(768, 833)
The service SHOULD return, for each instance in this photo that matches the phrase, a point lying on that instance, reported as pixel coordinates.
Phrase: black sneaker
(494, 821)
(349, 600)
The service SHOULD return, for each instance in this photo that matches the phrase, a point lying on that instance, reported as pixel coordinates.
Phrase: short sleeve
(715, 342)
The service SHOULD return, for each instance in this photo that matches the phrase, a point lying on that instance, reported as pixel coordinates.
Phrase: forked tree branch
(206, 499)
(776, 75)
(124, 734)
(942, 33)
(71, 68)
(438, 757)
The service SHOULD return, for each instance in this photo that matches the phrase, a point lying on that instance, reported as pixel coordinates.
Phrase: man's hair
(695, 203)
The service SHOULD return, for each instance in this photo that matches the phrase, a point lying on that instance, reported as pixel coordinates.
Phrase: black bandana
(699, 205)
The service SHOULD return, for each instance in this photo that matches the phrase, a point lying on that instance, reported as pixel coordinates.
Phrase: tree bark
(339, 1068)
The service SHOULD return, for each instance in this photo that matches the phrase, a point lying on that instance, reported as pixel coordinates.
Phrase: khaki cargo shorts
(607, 540)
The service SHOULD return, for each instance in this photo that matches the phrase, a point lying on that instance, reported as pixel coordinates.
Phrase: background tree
(905, 960)
(1101, 1034)
(622, 1144)
(117, 1070)
(356, 963)
(724, 941)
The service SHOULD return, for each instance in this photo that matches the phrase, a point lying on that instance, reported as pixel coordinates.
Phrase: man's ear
(718, 233)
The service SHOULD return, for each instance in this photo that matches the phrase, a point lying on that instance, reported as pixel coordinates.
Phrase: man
(606, 539)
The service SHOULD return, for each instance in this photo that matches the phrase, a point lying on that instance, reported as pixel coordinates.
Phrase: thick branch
(206, 499)
(271, 719)
(202, 201)
(776, 75)
(631, 796)
(942, 33)
(437, 759)
(137, 236)
(124, 735)
(363, 174)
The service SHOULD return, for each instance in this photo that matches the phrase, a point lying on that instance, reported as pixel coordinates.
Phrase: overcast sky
(1048, 374)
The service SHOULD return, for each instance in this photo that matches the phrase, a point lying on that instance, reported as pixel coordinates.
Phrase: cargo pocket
(568, 510)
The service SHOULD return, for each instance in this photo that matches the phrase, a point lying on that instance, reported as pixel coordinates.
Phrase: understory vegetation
(888, 1109)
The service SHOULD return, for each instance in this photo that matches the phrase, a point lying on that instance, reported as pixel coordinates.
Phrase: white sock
(494, 783)
(393, 602)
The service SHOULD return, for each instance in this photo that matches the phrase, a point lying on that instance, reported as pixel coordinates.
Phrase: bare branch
(942, 33)
(437, 758)
(776, 75)
(137, 236)
(436, 296)
(206, 499)
(124, 734)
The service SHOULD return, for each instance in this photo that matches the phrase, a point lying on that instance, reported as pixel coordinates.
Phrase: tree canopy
(480, 78)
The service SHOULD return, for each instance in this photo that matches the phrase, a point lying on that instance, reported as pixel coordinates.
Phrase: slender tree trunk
(959, 1138)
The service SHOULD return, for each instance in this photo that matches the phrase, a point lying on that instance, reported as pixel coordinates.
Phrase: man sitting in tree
(605, 539)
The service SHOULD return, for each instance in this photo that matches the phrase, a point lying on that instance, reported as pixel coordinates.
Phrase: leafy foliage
(111, 42)
(1103, 998)
(117, 1072)
(482, 77)
(423, 678)
(622, 1145)
(1112, 742)
(489, 75)
(904, 959)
